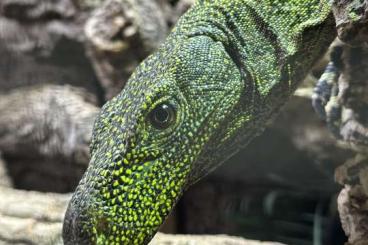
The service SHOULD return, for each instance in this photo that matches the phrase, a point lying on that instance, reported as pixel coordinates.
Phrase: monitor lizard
(223, 73)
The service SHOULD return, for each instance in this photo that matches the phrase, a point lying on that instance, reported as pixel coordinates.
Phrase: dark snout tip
(73, 232)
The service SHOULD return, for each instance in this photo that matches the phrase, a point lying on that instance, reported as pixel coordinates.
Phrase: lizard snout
(72, 228)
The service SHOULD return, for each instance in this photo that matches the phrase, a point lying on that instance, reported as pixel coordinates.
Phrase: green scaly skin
(225, 70)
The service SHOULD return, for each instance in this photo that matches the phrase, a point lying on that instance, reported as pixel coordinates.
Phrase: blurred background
(61, 60)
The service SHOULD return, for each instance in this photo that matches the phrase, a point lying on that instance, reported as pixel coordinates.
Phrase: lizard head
(152, 140)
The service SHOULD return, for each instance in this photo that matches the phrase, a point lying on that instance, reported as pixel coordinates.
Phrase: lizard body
(224, 71)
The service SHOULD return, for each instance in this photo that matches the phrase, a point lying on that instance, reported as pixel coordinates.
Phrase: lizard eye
(162, 116)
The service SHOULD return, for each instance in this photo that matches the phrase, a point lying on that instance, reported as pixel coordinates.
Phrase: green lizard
(222, 74)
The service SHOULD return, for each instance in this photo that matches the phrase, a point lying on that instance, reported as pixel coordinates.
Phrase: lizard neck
(274, 46)
(272, 42)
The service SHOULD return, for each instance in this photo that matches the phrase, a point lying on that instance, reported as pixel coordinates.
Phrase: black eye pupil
(162, 116)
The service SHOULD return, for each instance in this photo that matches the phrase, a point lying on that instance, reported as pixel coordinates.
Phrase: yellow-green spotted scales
(222, 74)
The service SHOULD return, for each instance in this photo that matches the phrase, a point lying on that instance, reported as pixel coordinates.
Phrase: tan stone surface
(164, 239)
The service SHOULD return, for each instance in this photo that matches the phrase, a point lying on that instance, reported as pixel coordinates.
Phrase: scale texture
(221, 75)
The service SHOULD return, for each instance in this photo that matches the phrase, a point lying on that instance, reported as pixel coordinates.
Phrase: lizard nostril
(102, 226)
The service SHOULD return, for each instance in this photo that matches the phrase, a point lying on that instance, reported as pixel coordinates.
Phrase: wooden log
(28, 217)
